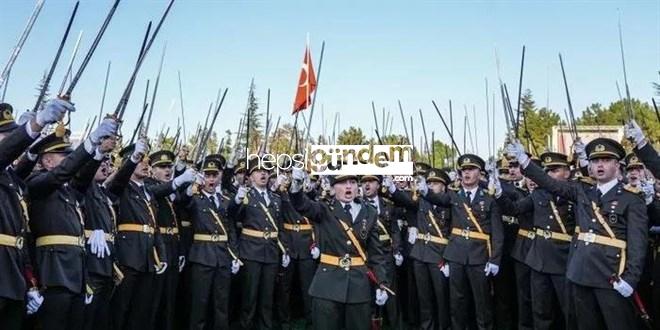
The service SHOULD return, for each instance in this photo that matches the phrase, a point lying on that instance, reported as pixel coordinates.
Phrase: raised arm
(565, 189)
(44, 183)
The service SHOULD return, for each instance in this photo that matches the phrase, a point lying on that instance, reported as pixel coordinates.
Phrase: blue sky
(375, 50)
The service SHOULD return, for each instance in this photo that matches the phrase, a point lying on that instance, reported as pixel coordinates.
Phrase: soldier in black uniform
(607, 257)
(56, 221)
(100, 230)
(139, 246)
(474, 251)
(389, 235)
(15, 268)
(348, 239)
(430, 237)
(549, 238)
(212, 258)
(261, 246)
(164, 303)
(299, 233)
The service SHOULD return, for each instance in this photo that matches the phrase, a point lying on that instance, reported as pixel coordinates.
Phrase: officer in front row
(607, 256)
(348, 239)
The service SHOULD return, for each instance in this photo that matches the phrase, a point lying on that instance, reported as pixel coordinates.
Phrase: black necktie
(263, 195)
(212, 198)
(347, 208)
(468, 194)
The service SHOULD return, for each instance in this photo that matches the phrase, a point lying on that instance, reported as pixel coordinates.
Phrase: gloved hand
(381, 297)
(389, 184)
(278, 182)
(580, 149)
(89, 297)
(285, 260)
(162, 269)
(491, 167)
(412, 235)
(491, 269)
(400, 223)
(98, 245)
(398, 259)
(445, 269)
(623, 288)
(53, 111)
(186, 177)
(34, 301)
(421, 186)
(634, 133)
(515, 149)
(182, 263)
(315, 252)
(297, 178)
(649, 192)
(240, 194)
(141, 148)
(107, 128)
(494, 182)
(26, 117)
(235, 266)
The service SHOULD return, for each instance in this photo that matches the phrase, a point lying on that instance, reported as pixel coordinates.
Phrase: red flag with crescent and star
(306, 84)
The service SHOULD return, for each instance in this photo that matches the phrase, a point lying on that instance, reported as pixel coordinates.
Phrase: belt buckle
(170, 230)
(547, 234)
(19, 242)
(145, 229)
(589, 237)
(531, 235)
(111, 237)
(267, 234)
(81, 241)
(215, 238)
(427, 238)
(345, 262)
(465, 233)
(296, 227)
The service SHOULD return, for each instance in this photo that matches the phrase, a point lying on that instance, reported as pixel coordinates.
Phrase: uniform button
(593, 220)
(348, 243)
(547, 227)
(551, 217)
(618, 256)
(66, 199)
(591, 230)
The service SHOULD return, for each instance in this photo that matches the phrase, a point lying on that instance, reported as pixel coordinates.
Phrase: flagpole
(316, 92)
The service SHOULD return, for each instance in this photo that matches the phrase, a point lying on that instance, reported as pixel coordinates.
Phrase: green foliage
(616, 114)
(352, 135)
(539, 121)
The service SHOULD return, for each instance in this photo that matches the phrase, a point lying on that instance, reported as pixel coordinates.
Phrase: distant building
(562, 141)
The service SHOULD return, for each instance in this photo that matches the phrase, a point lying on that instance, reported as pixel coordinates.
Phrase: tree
(352, 135)
(616, 115)
(535, 124)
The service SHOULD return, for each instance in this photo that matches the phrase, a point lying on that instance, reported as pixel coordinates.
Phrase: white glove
(398, 259)
(315, 252)
(381, 297)
(240, 194)
(389, 184)
(655, 230)
(623, 288)
(34, 301)
(421, 186)
(278, 182)
(649, 192)
(141, 148)
(491, 269)
(634, 133)
(516, 149)
(163, 268)
(26, 117)
(400, 223)
(53, 111)
(491, 166)
(580, 149)
(445, 269)
(297, 178)
(412, 235)
(494, 182)
(235, 266)
(452, 176)
(108, 127)
(188, 176)
(182, 263)
(285, 260)
(89, 297)
(98, 245)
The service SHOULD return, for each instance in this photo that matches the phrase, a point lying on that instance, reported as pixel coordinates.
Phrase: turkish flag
(306, 84)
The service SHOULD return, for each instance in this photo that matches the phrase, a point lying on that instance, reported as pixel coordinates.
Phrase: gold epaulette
(632, 189)
(587, 180)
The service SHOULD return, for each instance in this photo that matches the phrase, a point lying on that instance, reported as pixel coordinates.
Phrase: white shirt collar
(473, 192)
(605, 187)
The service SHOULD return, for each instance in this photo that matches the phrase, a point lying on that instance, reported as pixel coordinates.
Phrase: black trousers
(133, 300)
(97, 314)
(504, 285)
(209, 302)
(598, 308)
(433, 294)
(332, 315)
(408, 292)
(549, 297)
(525, 314)
(11, 313)
(164, 304)
(258, 294)
(464, 279)
(304, 269)
(61, 309)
